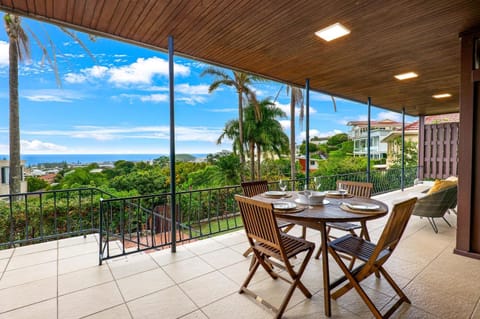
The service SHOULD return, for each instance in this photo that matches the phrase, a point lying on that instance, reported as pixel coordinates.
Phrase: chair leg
(446, 221)
(432, 223)
(319, 252)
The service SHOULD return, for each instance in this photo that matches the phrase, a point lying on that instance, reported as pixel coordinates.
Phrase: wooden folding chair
(254, 188)
(373, 256)
(268, 242)
(359, 189)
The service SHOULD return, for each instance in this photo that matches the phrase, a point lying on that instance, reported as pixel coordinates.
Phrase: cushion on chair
(440, 184)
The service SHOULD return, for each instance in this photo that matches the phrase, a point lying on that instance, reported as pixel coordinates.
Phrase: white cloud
(3, 53)
(317, 133)
(285, 124)
(225, 110)
(155, 98)
(286, 108)
(185, 88)
(51, 95)
(140, 72)
(37, 146)
(143, 71)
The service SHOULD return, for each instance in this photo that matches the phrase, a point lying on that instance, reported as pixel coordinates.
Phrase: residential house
(379, 130)
(4, 176)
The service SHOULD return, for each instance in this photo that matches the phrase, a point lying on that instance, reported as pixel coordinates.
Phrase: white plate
(284, 205)
(305, 202)
(275, 193)
(362, 206)
(334, 193)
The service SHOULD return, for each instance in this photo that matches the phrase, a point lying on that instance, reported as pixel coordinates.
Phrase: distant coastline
(35, 159)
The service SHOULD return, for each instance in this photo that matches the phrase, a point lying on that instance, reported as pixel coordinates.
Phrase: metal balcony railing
(131, 224)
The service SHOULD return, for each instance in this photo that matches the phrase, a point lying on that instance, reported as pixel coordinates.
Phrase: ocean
(35, 159)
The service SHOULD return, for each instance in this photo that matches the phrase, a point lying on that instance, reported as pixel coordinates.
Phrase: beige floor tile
(239, 271)
(406, 268)
(232, 239)
(118, 312)
(6, 253)
(144, 283)
(195, 315)
(3, 265)
(41, 310)
(222, 258)
(35, 248)
(204, 246)
(240, 248)
(23, 261)
(133, 264)
(83, 278)
(314, 308)
(187, 269)
(77, 263)
(407, 311)
(28, 274)
(78, 240)
(209, 288)
(353, 303)
(76, 250)
(239, 305)
(165, 257)
(27, 294)
(167, 303)
(89, 301)
(438, 302)
(476, 312)
(382, 285)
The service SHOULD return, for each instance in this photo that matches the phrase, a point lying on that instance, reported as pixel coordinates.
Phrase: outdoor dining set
(269, 215)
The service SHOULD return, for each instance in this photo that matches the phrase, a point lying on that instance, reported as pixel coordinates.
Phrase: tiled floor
(61, 279)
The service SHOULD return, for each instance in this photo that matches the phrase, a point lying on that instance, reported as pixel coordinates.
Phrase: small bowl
(317, 197)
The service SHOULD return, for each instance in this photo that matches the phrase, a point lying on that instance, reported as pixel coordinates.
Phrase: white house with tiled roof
(378, 131)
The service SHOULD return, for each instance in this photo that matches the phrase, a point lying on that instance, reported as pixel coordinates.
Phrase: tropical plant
(265, 133)
(19, 50)
(241, 82)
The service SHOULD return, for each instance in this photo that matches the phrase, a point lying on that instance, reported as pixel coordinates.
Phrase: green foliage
(411, 153)
(35, 184)
(312, 148)
(337, 139)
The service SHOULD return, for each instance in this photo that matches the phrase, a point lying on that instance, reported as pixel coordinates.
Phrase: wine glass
(282, 185)
(308, 194)
(342, 189)
(318, 182)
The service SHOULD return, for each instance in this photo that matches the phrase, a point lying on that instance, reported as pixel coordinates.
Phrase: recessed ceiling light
(332, 32)
(441, 96)
(405, 76)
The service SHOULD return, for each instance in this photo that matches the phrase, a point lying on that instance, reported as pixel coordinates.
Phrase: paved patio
(61, 279)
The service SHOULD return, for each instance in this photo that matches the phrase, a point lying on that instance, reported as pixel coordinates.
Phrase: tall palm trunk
(259, 161)
(251, 146)
(14, 157)
(240, 133)
(293, 102)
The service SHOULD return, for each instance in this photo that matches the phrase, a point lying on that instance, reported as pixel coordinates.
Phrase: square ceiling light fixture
(406, 76)
(441, 96)
(332, 32)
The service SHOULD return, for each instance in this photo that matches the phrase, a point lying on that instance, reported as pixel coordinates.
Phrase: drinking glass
(342, 189)
(282, 185)
(308, 194)
(318, 182)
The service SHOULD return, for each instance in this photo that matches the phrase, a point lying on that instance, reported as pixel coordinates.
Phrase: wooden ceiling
(275, 39)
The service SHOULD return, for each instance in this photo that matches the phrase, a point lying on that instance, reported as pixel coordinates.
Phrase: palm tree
(296, 100)
(241, 82)
(19, 50)
(264, 133)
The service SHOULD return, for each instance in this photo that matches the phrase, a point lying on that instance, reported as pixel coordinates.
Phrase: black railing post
(368, 137)
(173, 205)
(100, 234)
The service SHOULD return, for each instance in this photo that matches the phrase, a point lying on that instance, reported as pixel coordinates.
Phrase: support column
(173, 203)
(369, 143)
(468, 218)
(402, 178)
(421, 147)
(307, 132)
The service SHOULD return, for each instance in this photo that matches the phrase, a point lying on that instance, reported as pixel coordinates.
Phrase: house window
(4, 173)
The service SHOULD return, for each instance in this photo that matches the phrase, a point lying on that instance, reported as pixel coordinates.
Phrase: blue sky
(117, 102)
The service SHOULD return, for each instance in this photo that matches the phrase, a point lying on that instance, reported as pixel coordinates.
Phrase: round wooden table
(318, 216)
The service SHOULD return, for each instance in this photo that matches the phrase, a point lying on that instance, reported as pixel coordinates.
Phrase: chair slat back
(395, 226)
(359, 189)
(259, 221)
(253, 188)
(436, 204)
